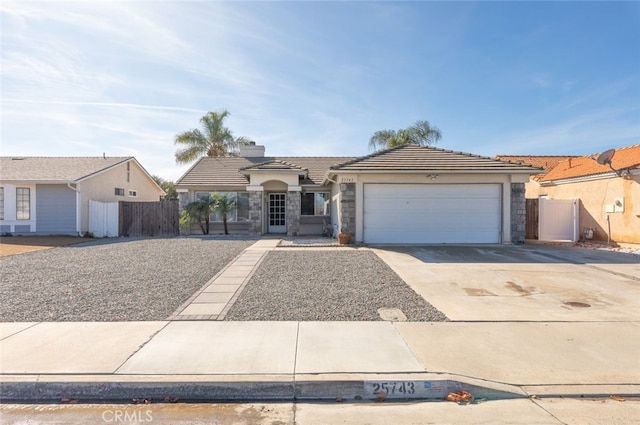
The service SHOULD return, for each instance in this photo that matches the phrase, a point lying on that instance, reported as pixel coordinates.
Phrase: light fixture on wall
(432, 176)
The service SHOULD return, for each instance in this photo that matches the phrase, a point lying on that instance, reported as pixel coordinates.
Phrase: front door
(277, 209)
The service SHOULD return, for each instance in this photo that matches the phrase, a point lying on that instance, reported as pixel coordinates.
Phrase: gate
(103, 219)
(149, 218)
(531, 228)
(558, 220)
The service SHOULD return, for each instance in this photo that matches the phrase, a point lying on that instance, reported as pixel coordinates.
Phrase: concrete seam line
(21, 330)
(295, 364)
(137, 350)
(549, 413)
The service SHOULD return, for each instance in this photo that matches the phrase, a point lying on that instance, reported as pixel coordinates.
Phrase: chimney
(251, 150)
(569, 162)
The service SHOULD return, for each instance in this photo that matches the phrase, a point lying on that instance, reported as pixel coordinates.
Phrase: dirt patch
(12, 245)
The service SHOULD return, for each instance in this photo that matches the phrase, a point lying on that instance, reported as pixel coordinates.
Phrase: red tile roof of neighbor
(624, 159)
(547, 162)
(543, 161)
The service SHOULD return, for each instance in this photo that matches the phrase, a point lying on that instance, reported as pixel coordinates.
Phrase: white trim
(10, 207)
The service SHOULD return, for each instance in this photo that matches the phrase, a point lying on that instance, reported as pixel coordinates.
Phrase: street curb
(206, 389)
(39, 389)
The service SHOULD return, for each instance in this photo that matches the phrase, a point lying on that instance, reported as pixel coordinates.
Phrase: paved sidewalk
(213, 360)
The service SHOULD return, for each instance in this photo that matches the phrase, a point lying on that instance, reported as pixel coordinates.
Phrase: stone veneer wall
(294, 200)
(255, 213)
(518, 213)
(348, 208)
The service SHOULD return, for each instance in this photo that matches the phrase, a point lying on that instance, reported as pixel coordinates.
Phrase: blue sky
(318, 78)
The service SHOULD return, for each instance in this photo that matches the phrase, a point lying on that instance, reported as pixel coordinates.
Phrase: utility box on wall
(617, 206)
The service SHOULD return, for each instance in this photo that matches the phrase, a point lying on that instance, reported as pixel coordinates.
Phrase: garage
(432, 213)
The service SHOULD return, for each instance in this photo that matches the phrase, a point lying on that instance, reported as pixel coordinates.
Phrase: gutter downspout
(78, 209)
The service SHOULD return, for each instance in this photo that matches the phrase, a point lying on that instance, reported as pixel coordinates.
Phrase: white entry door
(277, 213)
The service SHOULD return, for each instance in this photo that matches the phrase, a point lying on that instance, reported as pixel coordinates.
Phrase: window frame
(326, 204)
(23, 213)
(232, 216)
(133, 193)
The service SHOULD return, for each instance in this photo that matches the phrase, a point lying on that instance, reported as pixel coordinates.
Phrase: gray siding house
(408, 194)
(50, 195)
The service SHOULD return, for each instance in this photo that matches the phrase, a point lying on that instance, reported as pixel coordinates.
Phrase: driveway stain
(478, 292)
(519, 289)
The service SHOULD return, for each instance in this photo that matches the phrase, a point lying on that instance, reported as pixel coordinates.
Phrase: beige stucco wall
(101, 187)
(595, 196)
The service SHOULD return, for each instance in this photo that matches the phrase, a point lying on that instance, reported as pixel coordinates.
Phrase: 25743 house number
(393, 388)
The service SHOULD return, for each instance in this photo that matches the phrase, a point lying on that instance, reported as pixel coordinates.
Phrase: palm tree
(213, 140)
(224, 205)
(198, 212)
(421, 133)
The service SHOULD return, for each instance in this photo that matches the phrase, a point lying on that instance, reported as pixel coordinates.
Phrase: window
(128, 172)
(23, 203)
(239, 213)
(119, 191)
(133, 193)
(1, 203)
(315, 203)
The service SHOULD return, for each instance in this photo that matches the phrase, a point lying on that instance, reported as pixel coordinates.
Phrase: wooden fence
(149, 218)
(531, 229)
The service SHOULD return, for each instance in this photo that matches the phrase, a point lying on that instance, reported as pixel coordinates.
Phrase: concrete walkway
(217, 296)
(207, 359)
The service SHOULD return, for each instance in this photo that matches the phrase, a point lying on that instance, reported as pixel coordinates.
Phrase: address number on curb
(391, 388)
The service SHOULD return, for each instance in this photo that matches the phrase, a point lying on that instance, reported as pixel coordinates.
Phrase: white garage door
(435, 213)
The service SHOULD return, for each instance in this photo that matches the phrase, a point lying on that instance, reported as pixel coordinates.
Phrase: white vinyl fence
(103, 219)
(558, 220)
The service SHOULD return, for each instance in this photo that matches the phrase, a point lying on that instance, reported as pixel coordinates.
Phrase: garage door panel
(440, 213)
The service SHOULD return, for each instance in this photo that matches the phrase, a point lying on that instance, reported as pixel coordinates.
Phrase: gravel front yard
(306, 285)
(110, 280)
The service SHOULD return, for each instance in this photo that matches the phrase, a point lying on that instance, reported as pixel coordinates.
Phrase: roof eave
(437, 170)
(591, 177)
(29, 181)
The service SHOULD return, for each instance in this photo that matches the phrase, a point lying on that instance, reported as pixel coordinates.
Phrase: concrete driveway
(521, 283)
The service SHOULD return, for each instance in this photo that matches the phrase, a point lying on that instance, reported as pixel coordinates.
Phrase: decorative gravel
(310, 285)
(120, 279)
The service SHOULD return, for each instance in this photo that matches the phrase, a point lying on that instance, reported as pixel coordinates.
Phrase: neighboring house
(609, 198)
(546, 162)
(408, 194)
(50, 195)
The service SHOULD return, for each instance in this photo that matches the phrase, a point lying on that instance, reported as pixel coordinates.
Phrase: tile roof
(231, 171)
(546, 162)
(54, 169)
(427, 158)
(274, 165)
(626, 158)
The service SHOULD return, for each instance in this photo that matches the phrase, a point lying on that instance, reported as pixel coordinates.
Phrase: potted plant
(344, 238)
